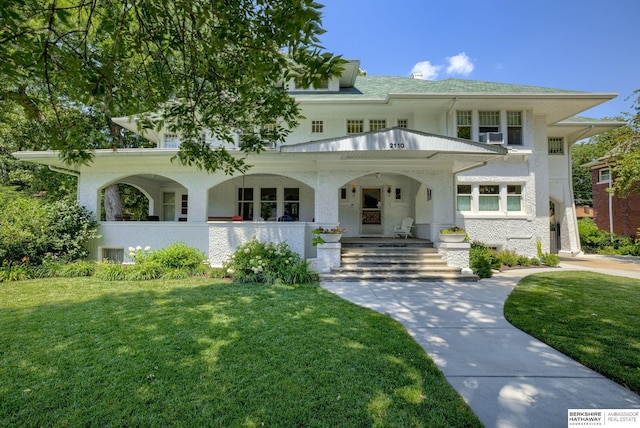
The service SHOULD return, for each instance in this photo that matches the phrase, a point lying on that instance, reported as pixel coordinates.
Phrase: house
(611, 212)
(370, 151)
(584, 211)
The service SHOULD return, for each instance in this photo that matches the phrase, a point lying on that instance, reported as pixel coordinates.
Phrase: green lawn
(593, 318)
(80, 352)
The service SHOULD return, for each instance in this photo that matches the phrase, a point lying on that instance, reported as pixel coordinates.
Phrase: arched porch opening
(147, 197)
(261, 197)
(372, 205)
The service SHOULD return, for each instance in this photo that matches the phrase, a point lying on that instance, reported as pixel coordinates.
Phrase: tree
(626, 157)
(585, 152)
(191, 65)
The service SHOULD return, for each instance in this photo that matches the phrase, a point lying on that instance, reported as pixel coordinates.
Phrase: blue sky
(584, 45)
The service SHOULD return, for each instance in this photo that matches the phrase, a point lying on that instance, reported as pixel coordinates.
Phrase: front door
(371, 215)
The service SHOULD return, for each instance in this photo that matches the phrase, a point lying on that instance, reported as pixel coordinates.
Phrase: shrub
(508, 257)
(179, 256)
(71, 227)
(480, 260)
(524, 261)
(50, 268)
(14, 272)
(77, 269)
(177, 273)
(31, 230)
(23, 224)
(256, 261)
(144, 271)
(551, 260)
(108, 271)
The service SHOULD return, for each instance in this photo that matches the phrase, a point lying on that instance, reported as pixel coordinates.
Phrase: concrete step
(398, 277)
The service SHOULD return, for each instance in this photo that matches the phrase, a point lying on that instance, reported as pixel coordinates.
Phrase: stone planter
(452, 237)
(331, 237)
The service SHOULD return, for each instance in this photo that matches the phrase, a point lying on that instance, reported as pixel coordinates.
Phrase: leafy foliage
(179, 256)
(257, 261)
(480, 260)
(594, 240)
(31, 229)
(202, 65)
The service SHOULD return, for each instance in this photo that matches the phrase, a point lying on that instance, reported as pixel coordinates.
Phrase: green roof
(372, 87)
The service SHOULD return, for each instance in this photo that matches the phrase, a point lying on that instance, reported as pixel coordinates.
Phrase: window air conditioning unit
(491, 138)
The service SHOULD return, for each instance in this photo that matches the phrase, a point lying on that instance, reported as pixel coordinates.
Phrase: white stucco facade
(408, 157)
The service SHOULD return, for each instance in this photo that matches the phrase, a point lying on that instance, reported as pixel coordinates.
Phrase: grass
(593, 318)
(196, 352)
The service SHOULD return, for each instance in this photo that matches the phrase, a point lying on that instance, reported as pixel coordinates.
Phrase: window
(403, 123)
(343, 194)
(604, 175)
(171, 141)
(115, 255)
(463, 121)
(355, 126)
(377, 124)
(323, 84)
(169, 206)
(489, 199)
(556, 146)
(398, 194)
(317, 126)
(245, 203)
(464, 197)
(489, 121)
(185, 204)
(268, 203)
(292, 202)
(514, 197)
(514, 127)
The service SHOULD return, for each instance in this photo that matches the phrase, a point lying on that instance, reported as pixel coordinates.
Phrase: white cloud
(428, 70)
(459, 64)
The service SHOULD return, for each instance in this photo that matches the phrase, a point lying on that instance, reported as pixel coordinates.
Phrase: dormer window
(297, 85)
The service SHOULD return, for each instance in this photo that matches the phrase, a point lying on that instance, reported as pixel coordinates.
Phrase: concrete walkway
(509, 378)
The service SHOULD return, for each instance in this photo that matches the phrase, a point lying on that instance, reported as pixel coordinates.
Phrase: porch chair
(404, 228)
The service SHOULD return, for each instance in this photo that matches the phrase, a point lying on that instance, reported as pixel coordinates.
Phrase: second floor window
(377, 124)
(514, 128)
(489, 121)
(171, 141)
(463, 119)
(317, 126)
(355, 126)
(556, 146)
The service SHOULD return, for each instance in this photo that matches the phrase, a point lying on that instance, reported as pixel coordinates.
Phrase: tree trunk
(112, 202)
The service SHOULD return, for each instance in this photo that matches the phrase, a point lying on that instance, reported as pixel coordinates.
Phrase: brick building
(612, 213)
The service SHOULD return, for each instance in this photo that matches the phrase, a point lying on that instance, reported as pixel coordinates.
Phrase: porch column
(326, 200)
(88, 195)
(197, 202)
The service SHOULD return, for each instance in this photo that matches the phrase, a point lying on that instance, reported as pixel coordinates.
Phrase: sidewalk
(509, 378)
(612, 265)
